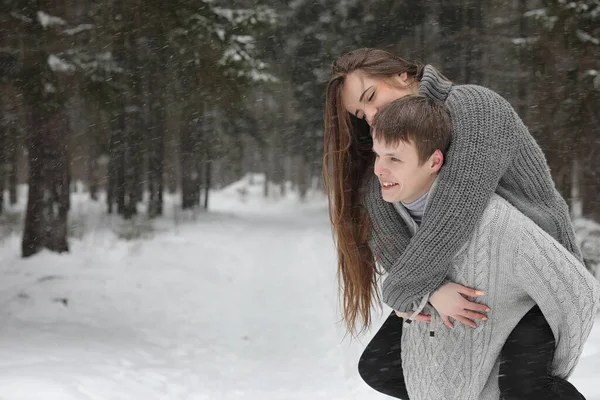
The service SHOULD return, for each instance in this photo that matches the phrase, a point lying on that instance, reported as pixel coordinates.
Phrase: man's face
(399, 172)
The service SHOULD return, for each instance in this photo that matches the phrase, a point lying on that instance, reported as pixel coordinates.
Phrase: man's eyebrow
(386, 154)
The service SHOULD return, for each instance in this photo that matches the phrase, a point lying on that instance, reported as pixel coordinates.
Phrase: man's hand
(419, 317)
(449, 301)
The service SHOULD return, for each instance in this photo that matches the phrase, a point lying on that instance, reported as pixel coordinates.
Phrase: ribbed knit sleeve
(485, 139)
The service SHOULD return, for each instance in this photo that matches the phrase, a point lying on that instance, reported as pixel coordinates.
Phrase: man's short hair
(417, 119)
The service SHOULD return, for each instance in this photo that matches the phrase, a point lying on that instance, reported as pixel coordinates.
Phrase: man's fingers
(465, 321)
(423, 317)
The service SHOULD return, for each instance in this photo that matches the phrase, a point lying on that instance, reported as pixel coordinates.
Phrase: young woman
(491, 151)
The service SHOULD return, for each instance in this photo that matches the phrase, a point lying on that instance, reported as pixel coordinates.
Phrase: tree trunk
(92, 169)
(200, 171)
(111, 190)
(208, 169)
(156, 153)
(188, 166)
(3, 151)
(135, 110)
(191, 163)
(450, 18)
(48, 202)
(124, 175)
(13, 156)
(303, 177)
(475, 23)
(576, 204)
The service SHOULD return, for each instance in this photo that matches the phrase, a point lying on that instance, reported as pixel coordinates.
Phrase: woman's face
(364, 96)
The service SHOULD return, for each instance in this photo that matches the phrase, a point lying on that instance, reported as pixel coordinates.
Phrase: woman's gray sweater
(491, 151)
(517, 265)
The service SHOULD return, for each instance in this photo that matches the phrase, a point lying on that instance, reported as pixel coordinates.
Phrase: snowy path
(239, 304)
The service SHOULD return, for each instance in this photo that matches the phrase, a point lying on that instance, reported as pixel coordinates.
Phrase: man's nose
(378, 168)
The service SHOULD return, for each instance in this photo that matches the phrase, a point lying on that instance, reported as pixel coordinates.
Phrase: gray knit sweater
(518, 265)
(491, 151)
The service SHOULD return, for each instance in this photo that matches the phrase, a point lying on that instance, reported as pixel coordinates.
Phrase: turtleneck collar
(433, 85)
(416, 209)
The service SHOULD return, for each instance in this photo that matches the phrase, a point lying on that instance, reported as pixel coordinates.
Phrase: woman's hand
(449, 301)
(419, 317)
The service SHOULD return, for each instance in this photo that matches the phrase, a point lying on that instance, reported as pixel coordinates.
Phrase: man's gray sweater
(491, 151)
(517, 265)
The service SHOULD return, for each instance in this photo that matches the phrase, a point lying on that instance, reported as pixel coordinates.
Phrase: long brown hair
(348, 156)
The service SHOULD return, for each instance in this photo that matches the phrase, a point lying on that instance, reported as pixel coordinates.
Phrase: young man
(520, 268)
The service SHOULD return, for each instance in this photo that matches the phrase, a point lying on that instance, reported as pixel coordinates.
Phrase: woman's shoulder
(476, 96)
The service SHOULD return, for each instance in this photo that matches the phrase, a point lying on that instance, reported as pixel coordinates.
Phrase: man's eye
(395, 159)
(371, 96)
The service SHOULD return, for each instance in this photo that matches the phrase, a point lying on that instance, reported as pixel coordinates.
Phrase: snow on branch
(524, 41)
(260, 14)
(596, 74)
(21, 17)
(589, 7)
(586, 37)
(59, 65)
(78, 29)
(47, 20)
(98, 66)
(243, 65)
(542, 15)
(229, 33)
(540, 12)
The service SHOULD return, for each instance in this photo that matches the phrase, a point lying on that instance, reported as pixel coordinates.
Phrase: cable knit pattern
(517, 264)
(491, 151)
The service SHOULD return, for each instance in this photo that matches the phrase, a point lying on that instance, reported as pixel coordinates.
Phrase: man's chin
(388, 198)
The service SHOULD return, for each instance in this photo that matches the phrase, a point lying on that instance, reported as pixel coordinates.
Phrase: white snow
(79, 28)
(59, 65)
(586, 37)
(236, 303)
(47, 20)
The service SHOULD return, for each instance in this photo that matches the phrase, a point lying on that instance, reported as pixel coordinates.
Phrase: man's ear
(436, 161)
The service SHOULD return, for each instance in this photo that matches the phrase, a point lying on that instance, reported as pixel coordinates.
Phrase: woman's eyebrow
(360, 99)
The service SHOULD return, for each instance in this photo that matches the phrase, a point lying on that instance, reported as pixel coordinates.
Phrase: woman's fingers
(468, 291)
(474, 315)
(447, 321)
(469, 305)
(465, 321)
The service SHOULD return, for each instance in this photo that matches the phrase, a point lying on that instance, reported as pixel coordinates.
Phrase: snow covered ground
(238, 303)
